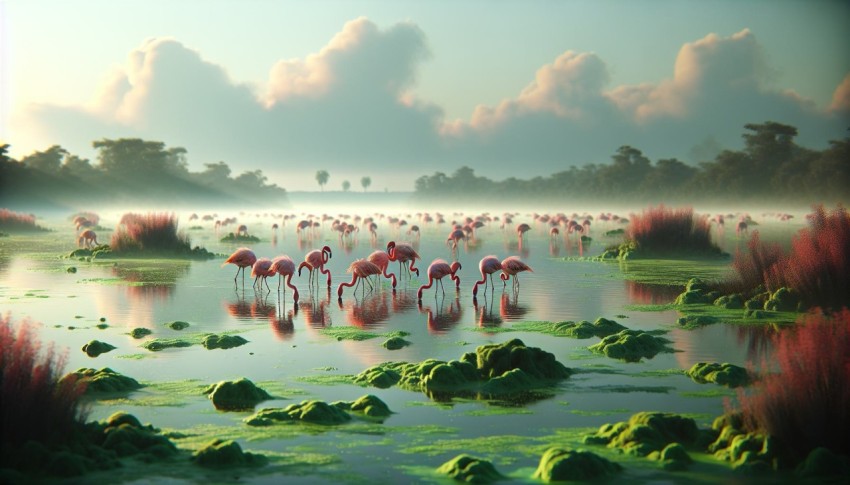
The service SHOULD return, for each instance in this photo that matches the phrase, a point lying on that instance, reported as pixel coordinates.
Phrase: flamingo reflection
(485, 316)
(368, 312)
(282, 324)
(509, 309)
(315, 310)
(444, 318)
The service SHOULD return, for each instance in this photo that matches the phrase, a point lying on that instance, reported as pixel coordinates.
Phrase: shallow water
(287, 346)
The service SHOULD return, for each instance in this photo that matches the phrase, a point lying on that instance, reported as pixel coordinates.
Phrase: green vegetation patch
(177, 325)
(631, 345)
(465, 468)
(96, 347)
(561, 464)
(226, 454)
(240, 238)
(748, 452)
(104, 380)
(327, 380)
(646, 432)
(395, 343)
(159, 344)
(357, 334)
(602, 327)
(321, 413)
(491, 370)
(725, 374)
(673, 457)
(140, 332)
(211, 342)
(241, 394)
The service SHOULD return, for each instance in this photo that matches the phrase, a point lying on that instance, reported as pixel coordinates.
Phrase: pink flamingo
(261, 269)
(521, 230)
(88, 236)
(382, 260)
(488, 265)
(553, 232)
(403, 252)
(359, 269)
(242, 230)
(242, 258)
(316, 260)
(510, 267)
(438, 269)
(455, 236)
(285, 268)
(742, 228)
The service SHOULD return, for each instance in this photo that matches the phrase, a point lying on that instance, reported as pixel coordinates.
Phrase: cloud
(351, 109)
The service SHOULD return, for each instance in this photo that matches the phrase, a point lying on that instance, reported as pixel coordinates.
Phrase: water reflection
(484, 314)
(509, 308)
(446, 315)
(315, 309)
(367, 312)
(758, 340)
(649, 294)
(150, 281)
(283, 322)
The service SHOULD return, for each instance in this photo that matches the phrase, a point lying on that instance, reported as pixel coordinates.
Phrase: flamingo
(285, 268)
(521, 230)
(316, 260)
(242, 231)
(455, 236)
(261, 269)
(510, 267)
(88, 236)
(382, 260)
(438, 269)
(359, 269)
(488, 265)
(403, 253)
(741, 228)
(242, 258)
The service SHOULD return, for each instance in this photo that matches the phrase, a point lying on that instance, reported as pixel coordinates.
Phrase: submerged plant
(35, 402)
(807, 404)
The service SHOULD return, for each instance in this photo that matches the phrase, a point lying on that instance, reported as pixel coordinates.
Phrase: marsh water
(291, 353)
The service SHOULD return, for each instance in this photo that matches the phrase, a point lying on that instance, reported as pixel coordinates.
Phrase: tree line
(129, 170)
(770, 168)
(322, 177)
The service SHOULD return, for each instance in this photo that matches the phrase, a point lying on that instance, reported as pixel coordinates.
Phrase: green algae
(321, 413)
(658, 373)
(710, 393)
(497, 411)
(602, 327)
(240, 238)
(560, 464)
(211, 342)
(140, 332)
(133, 356)
(96, 347)
(673, 457)
(104, 380)
(357, 334)
(220, 453)
(102, 326)
(241, 394)
(631, 345)
(465, 468)
(177, 325)
(599, 412)
(159, 344)
(824, 464)
(646, 432)
(725, 374)
(327, 380)
(395, 343)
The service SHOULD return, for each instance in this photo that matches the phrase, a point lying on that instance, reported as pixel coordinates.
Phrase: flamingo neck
(346, 284)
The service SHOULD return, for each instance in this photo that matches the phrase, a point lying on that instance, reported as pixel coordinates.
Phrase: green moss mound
(646, 432)
(159, 344)
(96, 347)
(563, 464)
(140, 332)
(493, 369)
(236, 395)
(822, 463)
(784, 300)
(465, 468)
(631, 345)
(177, 325)
(211, 342)
(395, 343)
(226, 454)
(104, 380)
(322, 413)
(725, 374)
(748, 452)
(371, 406)
(731, 302)
(673, 457)
(696, 321)
(238, 238)
(602, 327)
(88, 253)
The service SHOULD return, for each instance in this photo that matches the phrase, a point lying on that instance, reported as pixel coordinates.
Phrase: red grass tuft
(35, 402)
(14, 221)
(661, 229)
(753, 266)
(806, 405)
(155, 233)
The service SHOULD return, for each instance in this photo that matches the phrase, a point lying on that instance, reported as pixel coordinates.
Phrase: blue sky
(419, 86)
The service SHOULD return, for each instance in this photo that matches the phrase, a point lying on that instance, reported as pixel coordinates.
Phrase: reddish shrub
(153, 233)
(14, 221)
(807, 404)
(35, 402)
(662, 230)
(754, 265)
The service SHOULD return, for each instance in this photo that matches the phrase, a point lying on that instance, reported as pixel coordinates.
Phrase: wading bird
(315, 260)
(382, 260)
(438, 269)
(89, 238)
(359, 269)
(260, 270)
(403, 253)
(510, 267)
(488, 265)
(285, 268)
(242, 258)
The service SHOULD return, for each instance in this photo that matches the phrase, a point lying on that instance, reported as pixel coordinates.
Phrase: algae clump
(165, 343)
(395, 343)
(322, 413)
(225, 454)
(631, 345)
(646, 432)
(104, 380)
(140, 332)
(96, 347)
(673, 457)
(725, 374)
(465, 468)
(211, 342)
(177, 325)
(562, 464)
(236, 395)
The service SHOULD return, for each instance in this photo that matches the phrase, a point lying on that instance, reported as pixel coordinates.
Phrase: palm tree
(366, 182)
(322, 177)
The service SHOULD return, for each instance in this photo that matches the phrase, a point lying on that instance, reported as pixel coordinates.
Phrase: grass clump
(16, 222)
(465, 468)
(631, 345)
(153, 234)
(665, 232)
(562, 464)
(104, 380)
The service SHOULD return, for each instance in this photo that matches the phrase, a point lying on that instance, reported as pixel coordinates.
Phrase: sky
(395, 89)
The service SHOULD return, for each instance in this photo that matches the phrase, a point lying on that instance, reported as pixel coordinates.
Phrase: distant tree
(346, 185)
(4, 153)
(134, 158)
(79, 167)
(322, 177)
(49, 161)
(366, 182)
